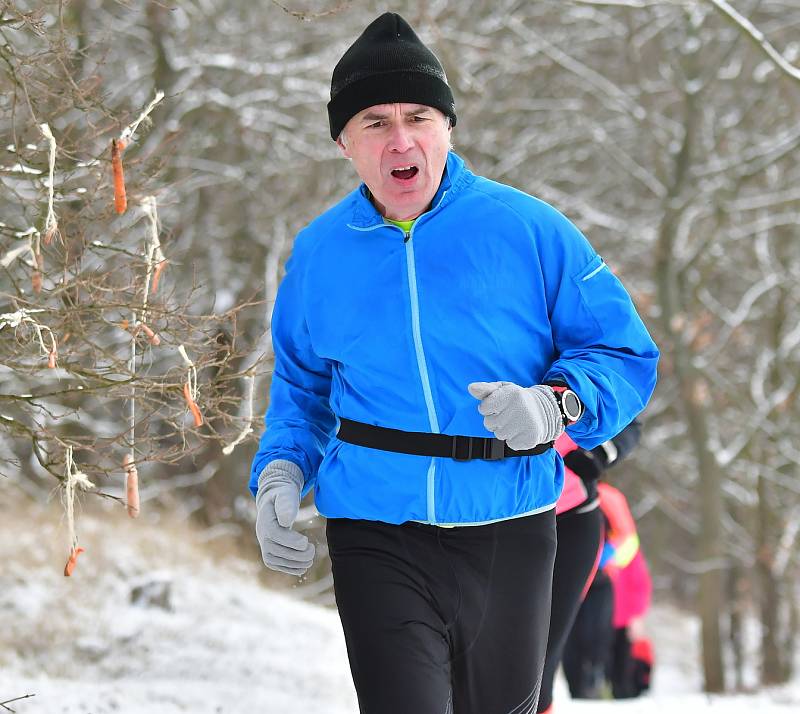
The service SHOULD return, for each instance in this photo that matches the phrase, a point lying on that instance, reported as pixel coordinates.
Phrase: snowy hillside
(205, 637)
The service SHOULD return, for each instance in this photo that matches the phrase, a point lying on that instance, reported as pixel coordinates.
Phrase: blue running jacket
(389, 328)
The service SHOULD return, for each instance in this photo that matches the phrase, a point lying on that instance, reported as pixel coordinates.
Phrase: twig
(15, 319)
(626, 3)
(130, 458)
(757, 37)
(786, 546)
(127, 133)
(14, 253)
(152, 251)
(190, 387)
(33, 247)
(154, 255)
(51, 224)
(72, 478)
(248, 428)
(307, 15)
(15, 699)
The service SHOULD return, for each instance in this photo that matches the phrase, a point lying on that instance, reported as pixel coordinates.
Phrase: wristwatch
(569, 403)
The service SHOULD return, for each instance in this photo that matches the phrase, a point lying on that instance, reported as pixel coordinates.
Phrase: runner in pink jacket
(607, 647)
(631, 659)
(579, 524)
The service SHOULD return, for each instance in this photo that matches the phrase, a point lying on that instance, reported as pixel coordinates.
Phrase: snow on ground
(225, 643)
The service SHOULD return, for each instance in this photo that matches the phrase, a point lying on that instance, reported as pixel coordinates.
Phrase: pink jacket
(574, 493)
(632, 591)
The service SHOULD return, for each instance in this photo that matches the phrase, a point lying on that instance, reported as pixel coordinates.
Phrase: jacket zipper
(422, 367)
(408, 241)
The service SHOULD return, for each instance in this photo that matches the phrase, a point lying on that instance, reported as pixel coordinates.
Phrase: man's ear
(343, 147)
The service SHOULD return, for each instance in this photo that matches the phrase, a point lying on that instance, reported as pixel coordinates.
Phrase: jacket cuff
(281, 470)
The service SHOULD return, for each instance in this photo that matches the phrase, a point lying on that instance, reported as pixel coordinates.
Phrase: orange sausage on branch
(187, 394)
(131, 486)
(50, 233)
(156, 275)
(151, 336)
(120, 199)
(72, 562)
(36, 277)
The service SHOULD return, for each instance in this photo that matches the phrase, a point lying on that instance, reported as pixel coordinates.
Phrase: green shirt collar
(404, 225)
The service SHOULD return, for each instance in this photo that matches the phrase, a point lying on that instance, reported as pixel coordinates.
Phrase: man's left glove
(523, 417)
(277, 505)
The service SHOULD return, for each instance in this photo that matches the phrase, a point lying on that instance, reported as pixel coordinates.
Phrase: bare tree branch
(756, 36)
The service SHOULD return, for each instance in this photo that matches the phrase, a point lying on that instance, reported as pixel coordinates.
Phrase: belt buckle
(494, 450)
(454, 449)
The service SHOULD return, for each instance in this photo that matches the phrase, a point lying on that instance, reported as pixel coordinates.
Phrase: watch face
(571, 405)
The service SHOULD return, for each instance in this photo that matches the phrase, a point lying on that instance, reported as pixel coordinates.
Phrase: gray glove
(523, 417)
(277, 505)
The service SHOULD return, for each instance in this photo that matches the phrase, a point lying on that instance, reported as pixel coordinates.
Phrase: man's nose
(400, 138)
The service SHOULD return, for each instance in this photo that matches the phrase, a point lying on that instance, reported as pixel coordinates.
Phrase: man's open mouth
(405, 172)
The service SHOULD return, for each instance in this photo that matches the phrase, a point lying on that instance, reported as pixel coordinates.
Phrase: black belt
(460, 448)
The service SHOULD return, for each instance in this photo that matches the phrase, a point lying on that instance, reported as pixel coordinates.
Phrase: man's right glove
(523, 417)
(277, 505)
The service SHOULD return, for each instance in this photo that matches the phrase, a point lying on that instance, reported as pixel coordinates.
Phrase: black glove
(627, 440)
(587, 464)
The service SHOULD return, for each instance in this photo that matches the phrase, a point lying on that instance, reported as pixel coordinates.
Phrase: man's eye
(375, 125)
(419, 119)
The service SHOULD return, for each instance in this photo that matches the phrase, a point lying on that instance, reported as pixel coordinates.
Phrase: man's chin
(410, 204)
(404, 213)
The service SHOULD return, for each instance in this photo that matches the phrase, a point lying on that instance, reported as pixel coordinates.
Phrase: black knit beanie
(387, 64)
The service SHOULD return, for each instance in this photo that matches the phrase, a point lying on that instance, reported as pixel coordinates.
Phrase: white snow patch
(21, 168)
(225, 643)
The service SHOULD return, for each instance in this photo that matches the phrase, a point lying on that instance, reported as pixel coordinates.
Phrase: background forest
(666, 130)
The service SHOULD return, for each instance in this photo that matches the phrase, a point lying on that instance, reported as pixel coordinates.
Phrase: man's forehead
(385, 110)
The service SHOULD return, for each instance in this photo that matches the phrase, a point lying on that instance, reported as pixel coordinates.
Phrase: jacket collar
(456, 176)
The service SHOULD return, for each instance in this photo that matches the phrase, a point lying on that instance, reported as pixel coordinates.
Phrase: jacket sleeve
(299, 419)
(602, 348)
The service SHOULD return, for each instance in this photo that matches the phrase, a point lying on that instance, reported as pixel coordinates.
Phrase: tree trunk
(695, 398)
(710, 541)
(735, 625)
(790, 642)
(775, 658)
(771, 664)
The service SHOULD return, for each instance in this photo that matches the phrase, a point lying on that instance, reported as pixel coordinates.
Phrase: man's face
(399, 151)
